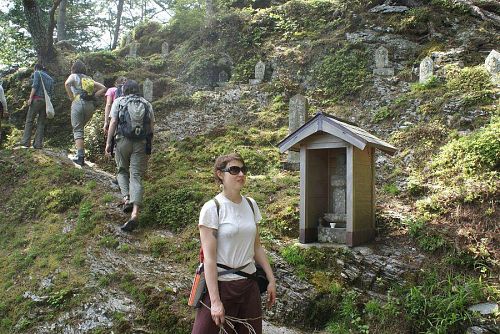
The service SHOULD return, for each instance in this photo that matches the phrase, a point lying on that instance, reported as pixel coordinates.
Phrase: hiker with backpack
(36, 103)
(81, 90)
(132, 119)
(3, 110)
(230, 239)
(111, 95)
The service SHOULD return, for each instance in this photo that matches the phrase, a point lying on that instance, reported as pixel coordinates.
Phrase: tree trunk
(61, 21)
(210, 13)
(117, 25)
(41, 33)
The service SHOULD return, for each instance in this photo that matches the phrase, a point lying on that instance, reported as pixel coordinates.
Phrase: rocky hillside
(67, 268)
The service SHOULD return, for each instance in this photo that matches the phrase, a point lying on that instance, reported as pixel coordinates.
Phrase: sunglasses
(235, 170)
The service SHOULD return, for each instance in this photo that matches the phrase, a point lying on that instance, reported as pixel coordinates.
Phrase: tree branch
(52, 24)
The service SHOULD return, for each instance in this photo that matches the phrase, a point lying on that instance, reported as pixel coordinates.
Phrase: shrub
(468, 154)
(94, 138)
(382, 114)
(470, 79)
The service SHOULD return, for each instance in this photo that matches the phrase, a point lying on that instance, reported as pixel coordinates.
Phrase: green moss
(344, 73)
(173, 208)
(459, 7)
(382, 114)
(60, 200)
(103, 61)
(470, 154)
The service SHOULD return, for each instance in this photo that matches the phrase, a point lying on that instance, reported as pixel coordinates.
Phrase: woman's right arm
(67, 86)
(107, 109)
(208, 238)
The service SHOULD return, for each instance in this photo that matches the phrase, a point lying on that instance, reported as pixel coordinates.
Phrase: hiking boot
(128, 207)
(129, 226)
(79, 161)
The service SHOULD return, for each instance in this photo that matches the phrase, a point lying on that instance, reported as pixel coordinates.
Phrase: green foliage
(109, 241)
(86, 218)
(58, 298)
(344, 73)
(454, 5)
(173, 208)
(103, 61)
(414, 20)
(173, 102)
(158, 245)
(60, 200)
(94, 138)
(293, 255)
(16, 45)
(479, 151)
(440, 305)
(187, 21)
(427, 239)
(473, 83)
(244, 70)
(391, 188)
(431, 83)
(347, 317)
(470, 79)
(383, 113)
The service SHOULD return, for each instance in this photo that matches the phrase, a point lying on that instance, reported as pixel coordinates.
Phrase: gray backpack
(134, 118)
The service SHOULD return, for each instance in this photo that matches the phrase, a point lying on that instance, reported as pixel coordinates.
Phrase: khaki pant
(81, 113)
(37, 107)
(131, 163)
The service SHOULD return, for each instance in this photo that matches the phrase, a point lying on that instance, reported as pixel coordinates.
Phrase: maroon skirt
(241, 299)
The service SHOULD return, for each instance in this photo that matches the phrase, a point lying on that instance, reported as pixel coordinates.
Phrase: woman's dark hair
(79, 67)
(222, 161)
(39, 67)
(130, 87)
(120, 81)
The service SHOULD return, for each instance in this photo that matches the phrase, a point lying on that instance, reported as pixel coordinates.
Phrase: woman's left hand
(271, 294)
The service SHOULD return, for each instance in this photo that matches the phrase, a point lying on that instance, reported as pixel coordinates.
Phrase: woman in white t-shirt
(229, 236)
(82, 104)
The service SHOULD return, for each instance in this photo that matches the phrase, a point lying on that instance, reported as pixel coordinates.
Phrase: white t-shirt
(237, 228)
(75, 82)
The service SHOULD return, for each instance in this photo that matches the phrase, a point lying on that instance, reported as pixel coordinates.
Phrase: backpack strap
(251, 205)
(230, 270)
(238, 271)
(217, 205)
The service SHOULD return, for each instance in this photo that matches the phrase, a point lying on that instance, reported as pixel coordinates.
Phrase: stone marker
(133, 49)
(260, 72)
(426, 70)
(382, 62)
(492, 64)
(128, 39)
(147, 90)
(165, 48)
(297, 115)
(223, 78)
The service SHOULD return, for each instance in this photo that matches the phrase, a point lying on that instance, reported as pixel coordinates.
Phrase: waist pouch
(259, 276)
(199, 288)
